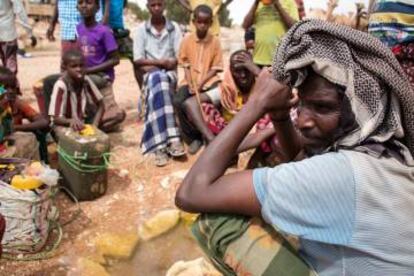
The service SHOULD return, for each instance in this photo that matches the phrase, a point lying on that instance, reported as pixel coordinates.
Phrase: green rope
(76, 161)
(45, 254)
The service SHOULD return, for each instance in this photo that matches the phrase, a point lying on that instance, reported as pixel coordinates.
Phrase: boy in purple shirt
(100, 50)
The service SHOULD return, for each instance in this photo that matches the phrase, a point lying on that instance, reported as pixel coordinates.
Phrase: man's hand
(49, 33)
(192, 88)
(76, 124)
(33, 41)
(148, 69)
(200, 87)
(282, 115)
(169, 63)
(245, 60)
(272, 96)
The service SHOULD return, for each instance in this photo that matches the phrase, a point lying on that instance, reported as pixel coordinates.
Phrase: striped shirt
(65, 102)
(352, 212)
(392, 21)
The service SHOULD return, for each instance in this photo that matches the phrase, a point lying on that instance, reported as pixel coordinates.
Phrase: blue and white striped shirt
(352, 212)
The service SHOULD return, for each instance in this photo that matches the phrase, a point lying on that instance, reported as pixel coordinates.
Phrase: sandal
(176, 149)
(161, 158)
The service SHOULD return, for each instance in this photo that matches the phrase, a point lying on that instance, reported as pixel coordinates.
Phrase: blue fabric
(398, 30)
(394, 6)
(392, 34)
(313, 199)
(160, 126)
(116, 13)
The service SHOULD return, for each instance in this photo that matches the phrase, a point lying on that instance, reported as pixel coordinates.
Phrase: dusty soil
(130, 199)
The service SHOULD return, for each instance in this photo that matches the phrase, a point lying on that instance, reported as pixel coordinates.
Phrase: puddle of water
(155, 257)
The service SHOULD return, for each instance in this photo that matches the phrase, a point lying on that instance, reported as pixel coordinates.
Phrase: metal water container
(82, 162)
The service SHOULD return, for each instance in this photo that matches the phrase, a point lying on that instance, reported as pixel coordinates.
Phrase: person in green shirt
(271, 18)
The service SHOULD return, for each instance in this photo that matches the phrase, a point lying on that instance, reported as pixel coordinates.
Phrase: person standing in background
(271, 19)
(215, 5)
(301, 9)
(9, 11)
(68, 16)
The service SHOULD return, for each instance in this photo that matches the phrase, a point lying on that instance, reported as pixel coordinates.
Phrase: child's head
(243, 78)
(156, 8)
(203, 18)
(74, 65)
(88, 8)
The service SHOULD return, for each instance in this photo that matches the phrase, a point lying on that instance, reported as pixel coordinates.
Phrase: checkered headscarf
(380, 95)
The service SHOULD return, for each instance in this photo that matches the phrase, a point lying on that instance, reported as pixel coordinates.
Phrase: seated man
(348, 197)
(156, 46)
(228, 98)
(18, 137)
(220, 105)
(202, 59)
(75, 99)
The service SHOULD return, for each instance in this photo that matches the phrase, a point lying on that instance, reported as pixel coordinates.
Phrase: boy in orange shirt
(202, 59)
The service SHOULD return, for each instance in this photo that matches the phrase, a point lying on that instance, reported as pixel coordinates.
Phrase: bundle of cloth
(391, 22)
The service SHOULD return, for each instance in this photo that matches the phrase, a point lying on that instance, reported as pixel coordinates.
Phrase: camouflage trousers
(238, 245)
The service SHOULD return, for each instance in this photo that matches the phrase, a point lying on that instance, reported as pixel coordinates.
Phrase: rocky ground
(136, 189)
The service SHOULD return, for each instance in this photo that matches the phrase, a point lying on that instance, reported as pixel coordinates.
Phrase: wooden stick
(197, 93)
